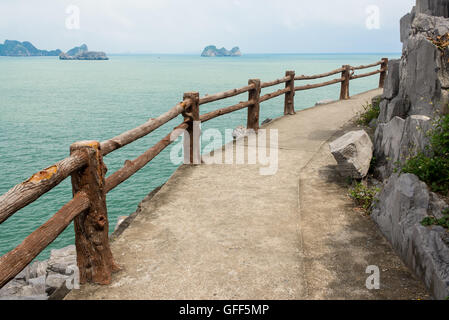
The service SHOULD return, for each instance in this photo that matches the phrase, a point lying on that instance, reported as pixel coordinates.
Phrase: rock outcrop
(353, 153)
(83, 53)
(402, 205)
(13, 48)
(212, 51)
(416, 86)
(415, 95)
(43, 280)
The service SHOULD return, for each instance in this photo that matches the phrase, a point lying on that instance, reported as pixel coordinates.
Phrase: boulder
(353, 152)
(37, 269)
(399, 210)
(36, 286)
(55, 281)
(61, 259)
(12, 288)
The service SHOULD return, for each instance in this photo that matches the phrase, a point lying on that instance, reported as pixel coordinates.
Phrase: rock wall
(403, 203)
(416, 88)
(416, 93)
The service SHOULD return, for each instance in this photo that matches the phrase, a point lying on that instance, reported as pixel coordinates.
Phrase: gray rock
(38, 286)
(61, 259)
(38, 269)
(392, 81)
(24, 274)
(12, 288)
(419, 76)
(433, 7)
(415, 137)
(402, 205)
(353, 152)
(429, 25)
(406, 27)
(387, 141)
(55, 281)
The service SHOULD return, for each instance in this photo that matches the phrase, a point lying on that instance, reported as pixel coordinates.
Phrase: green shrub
(432, 221)
(370, 112)
(363, 195)
(432, 166)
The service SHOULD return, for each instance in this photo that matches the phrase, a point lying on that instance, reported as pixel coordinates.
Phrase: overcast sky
(187, 26)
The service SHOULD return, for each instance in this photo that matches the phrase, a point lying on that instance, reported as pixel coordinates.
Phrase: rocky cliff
(415, 96)
(82, 53)
(15, 48)
(212, 51)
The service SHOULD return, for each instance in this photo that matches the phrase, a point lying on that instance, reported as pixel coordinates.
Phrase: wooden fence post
(383, 74)
(346, 74)
(94, 256)
(254, 109)
(192, 146)
(289, 104)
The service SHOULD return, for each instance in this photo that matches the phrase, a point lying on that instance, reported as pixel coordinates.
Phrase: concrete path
(227, 232)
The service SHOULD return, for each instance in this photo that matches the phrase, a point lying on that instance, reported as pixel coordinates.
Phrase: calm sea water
(47, 104)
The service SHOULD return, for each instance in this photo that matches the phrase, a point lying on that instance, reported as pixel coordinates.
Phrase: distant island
(13, 48)
(83, 53)
(212, 51)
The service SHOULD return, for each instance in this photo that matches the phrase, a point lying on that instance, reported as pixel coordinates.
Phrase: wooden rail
(88, 173)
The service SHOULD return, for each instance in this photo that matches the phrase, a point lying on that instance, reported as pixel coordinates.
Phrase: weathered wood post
(254, 109)
(383, 74)
(94, 256)
(346, 75)
(192, 145)
(289, 104)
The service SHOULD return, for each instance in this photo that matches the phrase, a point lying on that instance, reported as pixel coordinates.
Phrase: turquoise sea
(47, 104)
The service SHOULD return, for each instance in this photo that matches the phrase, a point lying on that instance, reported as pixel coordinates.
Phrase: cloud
(187, 25)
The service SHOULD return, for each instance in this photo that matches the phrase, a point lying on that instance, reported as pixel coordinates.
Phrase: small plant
(363, 195)
(370, 112)
(432, 221)
(432, 166)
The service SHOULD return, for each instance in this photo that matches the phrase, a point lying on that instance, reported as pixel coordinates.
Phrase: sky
(187, 26)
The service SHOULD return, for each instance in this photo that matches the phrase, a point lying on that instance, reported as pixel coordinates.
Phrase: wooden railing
(88, 173)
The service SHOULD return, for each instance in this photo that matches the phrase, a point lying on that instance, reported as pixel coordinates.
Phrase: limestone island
(82, 53)
(212, 51)
(14, 48)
